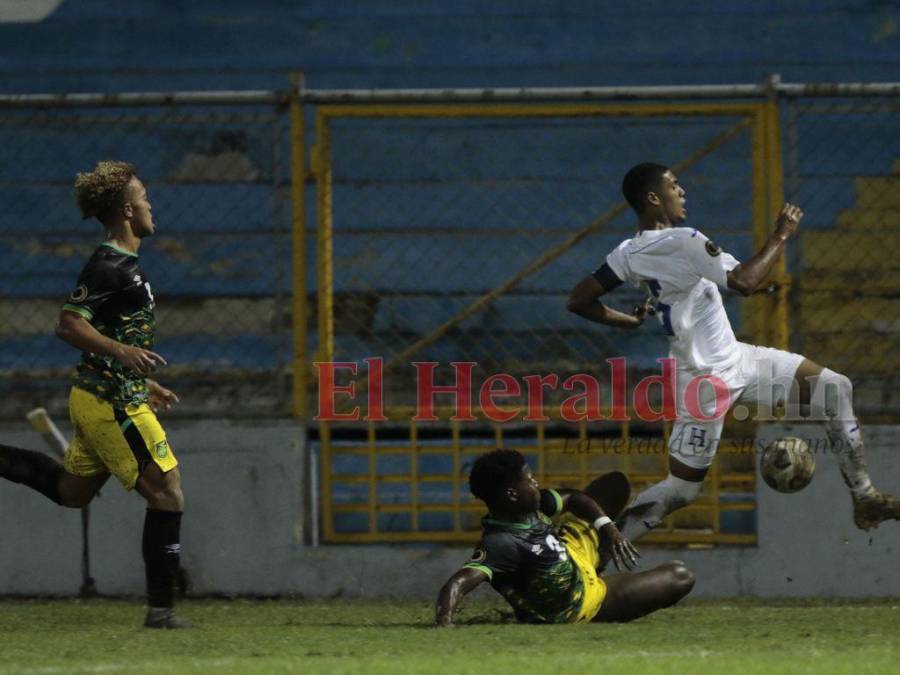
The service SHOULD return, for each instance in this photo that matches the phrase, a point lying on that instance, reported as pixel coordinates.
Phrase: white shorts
(762, 376)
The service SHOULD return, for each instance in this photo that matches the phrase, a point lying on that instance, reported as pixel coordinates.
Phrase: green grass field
(279, 636)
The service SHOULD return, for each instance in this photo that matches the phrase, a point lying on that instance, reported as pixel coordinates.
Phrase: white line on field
(155, 666)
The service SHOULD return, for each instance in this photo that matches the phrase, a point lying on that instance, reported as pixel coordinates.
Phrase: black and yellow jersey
(529, 566)
(114, 295)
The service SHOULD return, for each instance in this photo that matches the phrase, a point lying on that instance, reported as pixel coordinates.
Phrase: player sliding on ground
(547, 570)
(683, 271)
(109, 317)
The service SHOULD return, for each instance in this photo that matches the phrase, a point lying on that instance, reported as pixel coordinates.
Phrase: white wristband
(601, 521)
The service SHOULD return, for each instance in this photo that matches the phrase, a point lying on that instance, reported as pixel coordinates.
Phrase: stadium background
(429, 214)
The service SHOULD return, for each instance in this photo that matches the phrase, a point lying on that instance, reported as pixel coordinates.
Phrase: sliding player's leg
(632, 595)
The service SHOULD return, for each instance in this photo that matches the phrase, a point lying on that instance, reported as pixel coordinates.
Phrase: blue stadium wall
(145, 44)
(96, 45)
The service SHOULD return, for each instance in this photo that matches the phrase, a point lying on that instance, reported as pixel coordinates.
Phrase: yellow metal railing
(552, 460)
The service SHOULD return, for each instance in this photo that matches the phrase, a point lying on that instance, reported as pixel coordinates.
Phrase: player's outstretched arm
(584, 300)
(613, 544)
(747, 277)
(77, 331)
(457, 586)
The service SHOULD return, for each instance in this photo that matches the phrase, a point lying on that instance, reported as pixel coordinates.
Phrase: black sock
(35, 469)
(162, 555)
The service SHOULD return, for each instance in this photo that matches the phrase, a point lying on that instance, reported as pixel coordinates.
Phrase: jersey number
(149, 292)
(554, 545)
(664, 310)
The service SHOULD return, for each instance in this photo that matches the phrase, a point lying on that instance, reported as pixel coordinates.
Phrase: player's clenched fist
(788, 220)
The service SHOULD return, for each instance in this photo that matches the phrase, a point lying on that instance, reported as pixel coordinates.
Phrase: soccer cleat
(874, 508)
(165, 617)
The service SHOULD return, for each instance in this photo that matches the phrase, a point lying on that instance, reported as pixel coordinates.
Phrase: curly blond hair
(99, 191)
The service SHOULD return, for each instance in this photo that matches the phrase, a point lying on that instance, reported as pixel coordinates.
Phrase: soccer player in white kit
(683, 270)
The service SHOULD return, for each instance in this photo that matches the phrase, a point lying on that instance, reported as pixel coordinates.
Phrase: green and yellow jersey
(530, 567)
(114, 295)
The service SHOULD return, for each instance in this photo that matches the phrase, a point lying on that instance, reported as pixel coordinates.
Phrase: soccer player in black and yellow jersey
(109, 317)
(542, 551)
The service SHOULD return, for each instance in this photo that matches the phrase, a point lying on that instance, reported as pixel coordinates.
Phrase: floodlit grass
(279, 636)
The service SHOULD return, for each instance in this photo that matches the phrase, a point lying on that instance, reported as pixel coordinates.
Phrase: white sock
(658, 500)
(833, 398)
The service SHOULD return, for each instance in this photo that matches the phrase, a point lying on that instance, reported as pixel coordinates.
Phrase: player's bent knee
(681, 492)
(75, 501)
(679, 580)
(76, 492)
(682, 578)
(165, 499)
(834, 391)
(161, 490)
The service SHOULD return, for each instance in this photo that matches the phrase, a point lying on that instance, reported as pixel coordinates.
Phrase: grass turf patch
(340, 636)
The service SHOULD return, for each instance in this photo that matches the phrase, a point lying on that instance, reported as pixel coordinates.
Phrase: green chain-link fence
(219, 264)
(842, 165)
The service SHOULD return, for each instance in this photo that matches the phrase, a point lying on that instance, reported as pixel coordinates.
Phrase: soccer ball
(787, 465)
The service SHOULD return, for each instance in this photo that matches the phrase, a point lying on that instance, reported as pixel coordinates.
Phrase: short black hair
(640, 180)
(493, 472)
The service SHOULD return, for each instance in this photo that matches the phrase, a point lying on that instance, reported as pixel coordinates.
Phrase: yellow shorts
(120, 441)
(582, 543)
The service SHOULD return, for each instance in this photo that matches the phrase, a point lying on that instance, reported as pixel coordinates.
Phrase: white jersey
(681, 268)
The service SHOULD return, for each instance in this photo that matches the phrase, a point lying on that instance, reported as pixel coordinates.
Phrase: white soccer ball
(787, 464)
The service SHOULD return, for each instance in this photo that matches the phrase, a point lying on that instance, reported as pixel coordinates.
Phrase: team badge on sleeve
(79, 294)
(712, 249)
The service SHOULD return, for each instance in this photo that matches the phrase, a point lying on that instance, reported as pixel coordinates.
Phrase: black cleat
(165, 617)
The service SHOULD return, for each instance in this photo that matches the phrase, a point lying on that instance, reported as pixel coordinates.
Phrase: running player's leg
(161, 542)
(133, 447)
(632, 595)
(829, 397)
(157, 479)
(72, 483)
(78, 491)
(38, 471)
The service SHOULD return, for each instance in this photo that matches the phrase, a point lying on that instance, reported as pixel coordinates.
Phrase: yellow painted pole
(324, 240)
(457, 470)
(754, 308)
(414, 474)
(780, 315)
(373, 480)
(325, 280)
(300, 392)
(328, 533)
